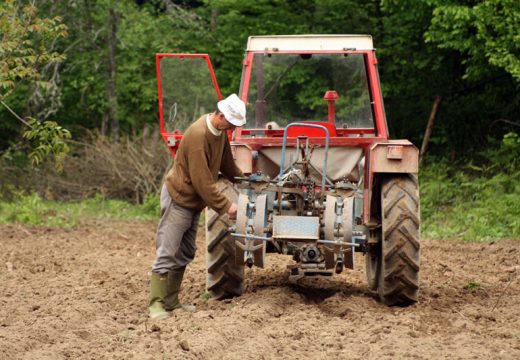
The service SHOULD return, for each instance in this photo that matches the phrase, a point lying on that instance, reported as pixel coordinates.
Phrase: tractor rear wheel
(225, 278)
(399, 260)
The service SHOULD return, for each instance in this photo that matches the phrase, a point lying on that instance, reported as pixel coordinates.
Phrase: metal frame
(176, 136)
(381, 130)
(324, 171)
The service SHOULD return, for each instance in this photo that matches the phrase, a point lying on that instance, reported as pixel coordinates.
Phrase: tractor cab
(321, 79)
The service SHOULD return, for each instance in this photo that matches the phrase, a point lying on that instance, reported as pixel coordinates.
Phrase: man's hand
(232, 211)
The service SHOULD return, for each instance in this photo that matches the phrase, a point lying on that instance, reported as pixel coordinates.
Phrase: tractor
(322, 178)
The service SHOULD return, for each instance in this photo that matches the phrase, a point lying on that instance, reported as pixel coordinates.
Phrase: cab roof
(310, 43)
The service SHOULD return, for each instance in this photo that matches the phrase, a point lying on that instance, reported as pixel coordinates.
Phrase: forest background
(78, 98)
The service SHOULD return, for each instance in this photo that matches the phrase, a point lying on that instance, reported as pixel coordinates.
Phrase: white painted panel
(310, 42)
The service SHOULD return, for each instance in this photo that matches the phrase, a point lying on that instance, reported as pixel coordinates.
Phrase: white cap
(234, 110)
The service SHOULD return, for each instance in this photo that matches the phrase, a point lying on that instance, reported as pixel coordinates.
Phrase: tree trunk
(104, 123)
(112, 68)
(146, 132)
(429, 126)
(214, 17)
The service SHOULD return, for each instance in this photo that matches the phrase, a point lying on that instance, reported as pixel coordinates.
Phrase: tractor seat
(296, 131)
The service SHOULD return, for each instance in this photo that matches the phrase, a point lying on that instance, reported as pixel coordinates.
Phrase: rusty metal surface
(241, 222)
(347, 223)
(329, 217)
(347, 218)
(260, 220)
(241, 228)
(259, 223)
(243, 157)
(331, 232)
(329, 220)
(394, 152)
(247, 242)
(397, 156)
(296, 227)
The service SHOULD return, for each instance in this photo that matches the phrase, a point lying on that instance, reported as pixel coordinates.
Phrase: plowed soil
(82, 294)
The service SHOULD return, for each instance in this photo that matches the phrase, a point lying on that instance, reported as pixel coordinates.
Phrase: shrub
(473, 202)
(129, 170)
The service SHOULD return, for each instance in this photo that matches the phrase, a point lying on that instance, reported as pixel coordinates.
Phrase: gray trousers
(176, 234)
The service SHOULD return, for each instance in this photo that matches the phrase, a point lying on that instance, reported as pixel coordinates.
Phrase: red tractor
(323, 179)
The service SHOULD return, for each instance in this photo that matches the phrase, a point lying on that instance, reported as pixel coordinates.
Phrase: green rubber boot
(158, 290)
(171, 301)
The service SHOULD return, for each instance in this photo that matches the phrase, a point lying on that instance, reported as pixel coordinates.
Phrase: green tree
(485, 39)
(486, 34)
(414, 70)
(26, 53)
(109, 79)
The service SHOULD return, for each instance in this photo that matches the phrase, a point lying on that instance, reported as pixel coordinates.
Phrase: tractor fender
(394, 156)
(389, 157)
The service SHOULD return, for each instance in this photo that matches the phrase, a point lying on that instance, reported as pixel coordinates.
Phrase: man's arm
(202, 181)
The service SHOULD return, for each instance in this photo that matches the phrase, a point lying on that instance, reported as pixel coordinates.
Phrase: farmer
(189, 187)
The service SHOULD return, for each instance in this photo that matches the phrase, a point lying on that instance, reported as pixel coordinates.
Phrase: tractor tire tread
(399, 279)
(224, 278)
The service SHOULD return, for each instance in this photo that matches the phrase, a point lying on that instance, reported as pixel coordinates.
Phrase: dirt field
(82, 294)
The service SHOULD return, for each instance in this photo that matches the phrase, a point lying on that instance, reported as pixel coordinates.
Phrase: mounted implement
(323, 181)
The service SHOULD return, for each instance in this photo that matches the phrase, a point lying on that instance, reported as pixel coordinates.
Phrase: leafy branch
(25, 50)
(51, 140)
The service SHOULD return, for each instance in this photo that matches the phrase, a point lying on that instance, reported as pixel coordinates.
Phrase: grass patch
(476, 200)
(466, 204)
(473, 285)
(33, 210)
(205, 296)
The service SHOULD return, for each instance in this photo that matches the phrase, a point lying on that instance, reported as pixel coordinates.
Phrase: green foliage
(233, 21)
(141, 32)
(473, 285)
(26, 45)
(205, 296)
(33, 210)
(50, 140)
(26, 49)
(510, 150)
(411, 72)
(485, 33)
(151, 206)
(475, 202)
(415, 68)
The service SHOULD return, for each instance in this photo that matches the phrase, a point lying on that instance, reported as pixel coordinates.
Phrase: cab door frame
(173, 139)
